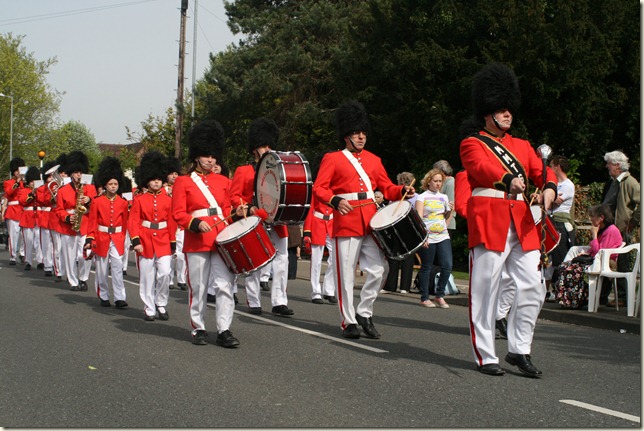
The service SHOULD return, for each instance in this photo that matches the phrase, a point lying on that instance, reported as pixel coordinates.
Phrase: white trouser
(179, 270)
(280, 276)
(154, 282)
(47, 248)
(487, 267)
(212, 288)
(13, 229)
(348, 250)
(113, 260)
(37, 247)
(28, 239)
(126, 251)
(76, 267)
(265, 272)
(57, 242)
(317, 253)
(506, 296)
(200, 266)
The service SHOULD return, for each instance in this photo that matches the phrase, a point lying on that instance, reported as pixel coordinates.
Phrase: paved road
(67, 362)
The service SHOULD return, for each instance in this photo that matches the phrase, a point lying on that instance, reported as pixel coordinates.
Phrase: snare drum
(245, 246)
(398, 230)
(283, 186)
(552, 234)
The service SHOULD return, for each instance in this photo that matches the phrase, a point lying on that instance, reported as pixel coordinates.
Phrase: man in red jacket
(501, 231)
(27, 199)
(14, 209)
(346, 181)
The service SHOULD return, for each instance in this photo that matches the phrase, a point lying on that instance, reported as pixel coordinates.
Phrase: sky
(117, 59)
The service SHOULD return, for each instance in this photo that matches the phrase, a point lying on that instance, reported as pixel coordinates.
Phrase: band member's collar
(158, 192)
(494, 135)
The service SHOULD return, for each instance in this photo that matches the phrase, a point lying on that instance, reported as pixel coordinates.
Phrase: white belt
(13, 203)
(494, 193)
(28, 208)
(44, 209)
(206, 212)
(323, 216)
(110, 229)
(151, 225)
(356, 196)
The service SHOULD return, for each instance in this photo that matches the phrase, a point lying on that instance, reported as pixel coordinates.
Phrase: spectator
(294, 241)
(448, 188)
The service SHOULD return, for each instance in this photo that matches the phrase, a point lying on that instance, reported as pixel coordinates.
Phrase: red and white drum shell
(553, 236)
(245, 246)
(398, 230)
(283, 187)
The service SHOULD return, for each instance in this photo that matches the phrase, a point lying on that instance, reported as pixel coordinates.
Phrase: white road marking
(602, 410)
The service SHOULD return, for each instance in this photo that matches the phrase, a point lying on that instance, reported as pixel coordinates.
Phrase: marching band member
(179, 269)
(14, 209)
(346, 181)
(152, 230)
(201, 204)
(262, 137)
(27, 199)
(72, 201)
(126, 193)
(318, 228)
(43, 199)
(55, 223)
(502, 236)
(107, 224)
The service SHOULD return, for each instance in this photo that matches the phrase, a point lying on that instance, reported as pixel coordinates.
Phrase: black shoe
(492, 370)
(255, 310)
(120, 304)
(124, 272)
(48, 273)
(59, 279)
(164, 315)
(105, 303)
(22, 259)
(502, 327)
(83, 286)
(200, 338)
(367, 326)
(264, 286)
(182, 286)
(28, 267)
(12, 262)
(171, 287)
(148, 318)
(226, 339)
(75, 289)
(282, 310)
(331, 299)
(317, 301)
(523, 363)
(235, 298)
(211, 298)
(40, 266)
(351, 331)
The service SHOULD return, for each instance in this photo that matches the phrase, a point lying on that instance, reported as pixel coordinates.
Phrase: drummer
(200, 204)
(262, 137)
(346, 181)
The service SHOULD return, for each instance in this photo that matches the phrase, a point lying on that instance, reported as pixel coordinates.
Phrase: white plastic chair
(595, 276)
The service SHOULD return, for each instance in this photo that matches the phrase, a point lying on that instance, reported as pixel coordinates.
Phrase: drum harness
(214, 209)
(363, 175)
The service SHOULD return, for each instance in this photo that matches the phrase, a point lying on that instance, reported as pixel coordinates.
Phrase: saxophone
(80, 208)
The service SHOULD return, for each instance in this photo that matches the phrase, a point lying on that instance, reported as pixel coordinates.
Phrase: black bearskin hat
(495, 87)
(351, 117)
(109, 168)
(173, 165)
(127, 185)
(33, 174)
(62, 161)
(206, 139)
(152, 167)
(16, 163)
(47, 166)
(77, 161)
(262, 132)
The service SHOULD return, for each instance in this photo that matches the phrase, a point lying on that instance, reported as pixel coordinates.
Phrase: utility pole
(194, 57)
(182, 55)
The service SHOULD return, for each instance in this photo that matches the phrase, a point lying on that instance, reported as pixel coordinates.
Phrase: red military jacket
(43, 200)
(14, 209)
(154, 208)
(110, 214)
(488, 218)
(28, 204)
(319, 222)
(66, 201)
(243, 188)
(188, 198)
(462, 193)
(338, 176)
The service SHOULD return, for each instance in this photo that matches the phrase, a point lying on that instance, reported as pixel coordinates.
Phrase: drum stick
(221, 221)
(533, 197)
(364, 204)
(241, 201)
(405, 195)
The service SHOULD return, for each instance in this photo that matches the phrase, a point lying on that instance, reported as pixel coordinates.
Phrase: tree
(158, 133)
(75, 136)
(35, 104)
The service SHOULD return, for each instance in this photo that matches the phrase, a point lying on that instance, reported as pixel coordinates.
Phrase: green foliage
(158, 133)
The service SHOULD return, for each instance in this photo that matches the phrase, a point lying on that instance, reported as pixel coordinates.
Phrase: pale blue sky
(117, 59)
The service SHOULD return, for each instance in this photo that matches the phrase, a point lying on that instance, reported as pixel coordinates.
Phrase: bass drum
(245, 246)
(283, 186)
(398, 230)
(553, 236)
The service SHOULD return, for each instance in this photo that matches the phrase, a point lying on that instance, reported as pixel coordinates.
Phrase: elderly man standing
(622, 193)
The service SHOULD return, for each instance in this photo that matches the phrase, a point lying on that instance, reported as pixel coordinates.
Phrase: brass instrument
(80, 208)
(56, 183)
